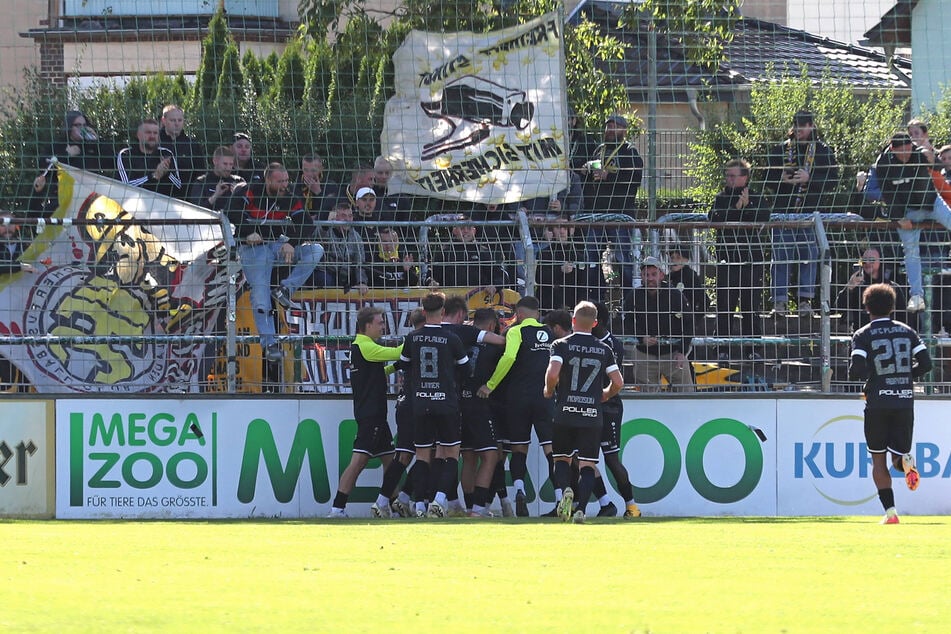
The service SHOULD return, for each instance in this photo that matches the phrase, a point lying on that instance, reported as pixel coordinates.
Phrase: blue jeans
(794, 246)
(257, 262)
(910, 240)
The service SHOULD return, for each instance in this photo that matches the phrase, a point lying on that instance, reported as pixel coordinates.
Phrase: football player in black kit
(888, 355)
(523, 363)
(368, 360)
(586, 375)
(433, 353)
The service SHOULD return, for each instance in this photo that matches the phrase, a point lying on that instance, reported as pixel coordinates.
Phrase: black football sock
(420, 475)
(481, 497)
(340, 500)
(449, 478)
(391, 477)
(561, 475)
(469, 498)
(585, 485)
(887, 496)
(517, 465)
(621, 476)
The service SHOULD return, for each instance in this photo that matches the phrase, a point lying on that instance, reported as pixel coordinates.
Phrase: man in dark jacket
(654, 313)
(739, 252)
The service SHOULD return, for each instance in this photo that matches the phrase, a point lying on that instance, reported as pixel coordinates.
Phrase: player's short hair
(528, 302)
(417, 318)
(433, 302)
(223, 150)
(484, 318)
(586, 313)
(365, 317)
(456, 304)
(879, 300)
(560, 318)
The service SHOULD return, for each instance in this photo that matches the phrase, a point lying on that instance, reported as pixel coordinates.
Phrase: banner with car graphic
(479, 116)
(111, 285)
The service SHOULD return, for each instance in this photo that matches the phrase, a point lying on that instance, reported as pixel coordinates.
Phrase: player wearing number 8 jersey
(888, 355)
(585, 373)
(433, 354)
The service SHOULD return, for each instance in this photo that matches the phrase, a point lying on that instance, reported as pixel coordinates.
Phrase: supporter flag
(479, 116)
(143, 278)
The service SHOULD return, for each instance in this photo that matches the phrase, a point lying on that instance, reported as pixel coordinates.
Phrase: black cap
(802, 118)
(900, 139)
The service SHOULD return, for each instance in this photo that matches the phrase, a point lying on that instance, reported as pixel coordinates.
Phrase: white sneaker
(507, 510)
(403, 509)
(381, 511)
(916, 304)
(435, 510)
(337, 514)
(578, 517)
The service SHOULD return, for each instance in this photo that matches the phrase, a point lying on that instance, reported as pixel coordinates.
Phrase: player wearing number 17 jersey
(585, 373)
(888, 355)
(433, 354)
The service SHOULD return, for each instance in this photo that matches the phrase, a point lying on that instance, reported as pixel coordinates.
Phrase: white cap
(365, 191)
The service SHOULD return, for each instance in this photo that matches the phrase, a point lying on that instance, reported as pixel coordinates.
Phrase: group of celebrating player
(473, 394)
(469, 393)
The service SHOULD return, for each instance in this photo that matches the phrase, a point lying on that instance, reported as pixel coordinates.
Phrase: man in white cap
(654, 313)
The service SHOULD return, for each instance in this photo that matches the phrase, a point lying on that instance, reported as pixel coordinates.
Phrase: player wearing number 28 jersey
(888, 355)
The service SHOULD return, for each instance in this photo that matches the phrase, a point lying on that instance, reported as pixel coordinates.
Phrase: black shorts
(432, 429)
(522, 414)
(374, 437)
(611, 430)
(889, 430)
(478, 429)
(580, 441)
(404, 427)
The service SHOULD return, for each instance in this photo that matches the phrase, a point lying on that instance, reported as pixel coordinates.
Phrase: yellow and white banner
(479, 116)
(146, 277)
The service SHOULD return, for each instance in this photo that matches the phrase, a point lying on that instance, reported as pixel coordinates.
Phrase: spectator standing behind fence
(389, 268)
(680, 275)
(344, 260)
(311, 192)
(189, 154)
(464, 261)
(613, 176)
(564, 274)
(148, 164)
(870, 271)
(655, 314)
(269, 233)
(800, 170)
(245, 165)
(904, 173)
(79, 147)
(739, 252)
(213, 189)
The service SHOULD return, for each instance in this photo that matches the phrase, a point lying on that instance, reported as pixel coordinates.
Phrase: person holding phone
(869, 270)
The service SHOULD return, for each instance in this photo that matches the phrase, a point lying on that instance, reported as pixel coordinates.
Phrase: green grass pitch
(673, 575)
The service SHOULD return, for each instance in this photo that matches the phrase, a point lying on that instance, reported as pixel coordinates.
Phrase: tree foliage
(854, 126)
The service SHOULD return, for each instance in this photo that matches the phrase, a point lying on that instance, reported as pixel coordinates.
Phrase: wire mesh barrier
(234, 180)
(107, 300)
